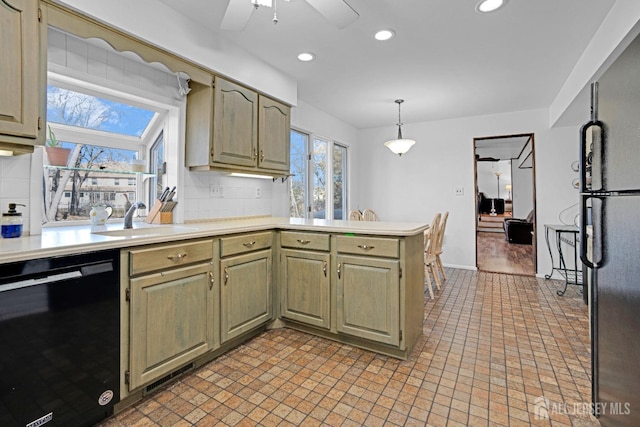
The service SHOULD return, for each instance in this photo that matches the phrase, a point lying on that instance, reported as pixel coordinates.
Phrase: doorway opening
(506, 204)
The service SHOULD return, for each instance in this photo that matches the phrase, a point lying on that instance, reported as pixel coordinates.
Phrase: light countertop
(66, 240)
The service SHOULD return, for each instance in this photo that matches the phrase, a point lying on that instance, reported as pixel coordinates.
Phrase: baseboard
(461, 267)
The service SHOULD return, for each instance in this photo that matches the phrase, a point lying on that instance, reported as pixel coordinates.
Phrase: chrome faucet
(128, 217)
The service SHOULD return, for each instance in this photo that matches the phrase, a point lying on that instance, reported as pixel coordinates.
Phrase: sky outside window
(78, 109)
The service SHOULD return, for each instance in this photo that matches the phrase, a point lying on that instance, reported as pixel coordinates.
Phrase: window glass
(87, 111)
(319, 155)
(299, 174)
(94, 174)
(339, 181)
(156, 182)
(318, 182)
(93, 179)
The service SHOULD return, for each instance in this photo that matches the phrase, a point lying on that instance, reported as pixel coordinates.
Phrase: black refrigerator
(610, 212)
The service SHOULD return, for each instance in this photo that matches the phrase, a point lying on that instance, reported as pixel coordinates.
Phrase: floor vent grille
(154, 386)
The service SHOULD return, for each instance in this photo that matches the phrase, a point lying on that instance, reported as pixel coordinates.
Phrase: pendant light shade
(401, 145)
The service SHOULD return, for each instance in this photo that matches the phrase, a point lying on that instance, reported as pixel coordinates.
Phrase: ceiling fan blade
(486, 159)
(237, 15)
(338, 12)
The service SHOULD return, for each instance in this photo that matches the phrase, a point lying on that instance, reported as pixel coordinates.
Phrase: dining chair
(439, 240)
(355, 216)
(369, 215)
(430, 237)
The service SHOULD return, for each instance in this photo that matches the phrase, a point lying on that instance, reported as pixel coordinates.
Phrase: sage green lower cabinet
(245, 293)
(368, 303)
(170, 322)
(305, 287)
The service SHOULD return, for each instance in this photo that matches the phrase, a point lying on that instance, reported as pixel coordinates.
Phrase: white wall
(487, 180)
(420, 183)
(522, 191)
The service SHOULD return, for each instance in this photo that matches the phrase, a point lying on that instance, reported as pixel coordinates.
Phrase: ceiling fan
(238, 12)
(486, 159)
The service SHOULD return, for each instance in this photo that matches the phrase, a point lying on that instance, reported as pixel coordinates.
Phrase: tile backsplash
(15, 185)
(213, 195)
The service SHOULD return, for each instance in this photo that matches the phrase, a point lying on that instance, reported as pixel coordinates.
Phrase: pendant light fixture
(399, 146)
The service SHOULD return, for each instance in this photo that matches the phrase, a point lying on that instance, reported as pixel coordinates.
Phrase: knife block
(160, 213)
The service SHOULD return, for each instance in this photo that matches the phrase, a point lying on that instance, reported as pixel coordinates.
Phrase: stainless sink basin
(144, 231)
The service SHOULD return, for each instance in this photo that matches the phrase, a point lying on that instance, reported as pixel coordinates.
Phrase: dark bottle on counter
(12, 222)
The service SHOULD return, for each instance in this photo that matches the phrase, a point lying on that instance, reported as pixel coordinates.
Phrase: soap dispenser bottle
(12, 222)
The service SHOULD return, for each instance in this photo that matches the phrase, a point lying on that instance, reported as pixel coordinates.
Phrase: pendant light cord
(399, 101)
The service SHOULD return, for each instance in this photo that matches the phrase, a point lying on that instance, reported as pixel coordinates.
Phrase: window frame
(79, 135)
(308, 185)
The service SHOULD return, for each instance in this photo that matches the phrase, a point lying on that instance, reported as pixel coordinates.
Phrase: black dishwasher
(59, 340)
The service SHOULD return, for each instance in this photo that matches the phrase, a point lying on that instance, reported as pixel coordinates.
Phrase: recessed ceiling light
(384, 35)
(490, 5)
(306, 56)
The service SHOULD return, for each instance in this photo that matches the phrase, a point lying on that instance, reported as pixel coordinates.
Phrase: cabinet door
(170, 321)
(245, 295)
(19, 68)
(368, 303)
(306, 287)
(274, 135)
(235, 124)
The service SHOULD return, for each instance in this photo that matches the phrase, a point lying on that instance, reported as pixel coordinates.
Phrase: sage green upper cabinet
(232, 128)
(273, 135)
(235, 124)
(22, 91)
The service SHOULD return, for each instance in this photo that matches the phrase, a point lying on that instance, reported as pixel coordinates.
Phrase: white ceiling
(505, 148)
(446, 61)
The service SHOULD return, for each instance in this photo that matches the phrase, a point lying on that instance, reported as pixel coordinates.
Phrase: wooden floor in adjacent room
(497, 255)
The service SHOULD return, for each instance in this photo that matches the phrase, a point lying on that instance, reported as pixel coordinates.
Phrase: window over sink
(108, 137)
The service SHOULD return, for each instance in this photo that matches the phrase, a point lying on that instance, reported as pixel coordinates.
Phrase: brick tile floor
(494, 346)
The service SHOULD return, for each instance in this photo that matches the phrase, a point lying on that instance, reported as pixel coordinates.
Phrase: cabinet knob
(303, 241)
(366, 247)
(249, 244)
(212, 280)
(177, 257)
(262, 155)
(324, 268)
(255, 153)
(226, 275)
(339, 269)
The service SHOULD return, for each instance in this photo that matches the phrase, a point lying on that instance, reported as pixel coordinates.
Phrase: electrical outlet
(215, 191)
(459, 191)
(258, 192)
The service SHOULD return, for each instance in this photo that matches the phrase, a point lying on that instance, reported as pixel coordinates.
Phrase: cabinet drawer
(374, 246)
(313, 241)
(169, 256)
(245, 243)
